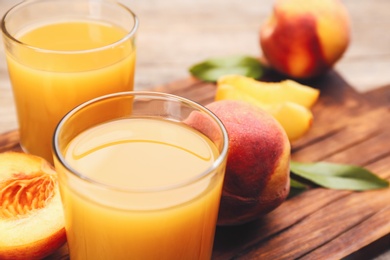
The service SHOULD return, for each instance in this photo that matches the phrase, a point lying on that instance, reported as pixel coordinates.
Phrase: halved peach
(31, 214)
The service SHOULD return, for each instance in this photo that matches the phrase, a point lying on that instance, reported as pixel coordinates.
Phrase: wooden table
(351, 121)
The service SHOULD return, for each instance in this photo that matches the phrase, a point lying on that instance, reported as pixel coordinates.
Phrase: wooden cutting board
(349, 127)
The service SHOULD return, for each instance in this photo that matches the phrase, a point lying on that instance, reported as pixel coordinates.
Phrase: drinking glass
(140, 176)
(61, 53)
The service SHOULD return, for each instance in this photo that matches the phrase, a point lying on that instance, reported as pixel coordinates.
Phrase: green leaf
(297, 184)
(338, 176)
(212, 69)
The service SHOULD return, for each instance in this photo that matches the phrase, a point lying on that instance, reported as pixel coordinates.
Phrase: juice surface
(48, 84)
(157, 158)
(72, 36)
(142, 154)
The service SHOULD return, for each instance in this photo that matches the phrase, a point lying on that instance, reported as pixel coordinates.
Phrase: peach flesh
(31, 219)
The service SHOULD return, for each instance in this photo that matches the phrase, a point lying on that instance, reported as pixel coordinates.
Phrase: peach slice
(295, 119)
(273, 92)
(31, 214)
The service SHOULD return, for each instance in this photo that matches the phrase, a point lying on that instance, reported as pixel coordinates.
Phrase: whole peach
(257, 171)
(305, 38)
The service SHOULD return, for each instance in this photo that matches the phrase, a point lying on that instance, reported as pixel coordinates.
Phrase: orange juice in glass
(62, 53)
(142, 181)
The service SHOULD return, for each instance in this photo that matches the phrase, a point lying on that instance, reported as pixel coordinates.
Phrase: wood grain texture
(349, 127)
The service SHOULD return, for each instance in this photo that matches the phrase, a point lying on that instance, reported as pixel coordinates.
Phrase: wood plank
(310, 221)
(232, 242)
(351, 240)
(349, 128)
(344, 133)
(319, 228)
(9, 141)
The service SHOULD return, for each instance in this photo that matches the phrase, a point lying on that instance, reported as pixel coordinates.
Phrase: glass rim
(222, 156)
(22, 4)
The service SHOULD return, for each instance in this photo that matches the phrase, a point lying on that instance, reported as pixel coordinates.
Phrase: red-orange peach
(305, 38)
(257, 172)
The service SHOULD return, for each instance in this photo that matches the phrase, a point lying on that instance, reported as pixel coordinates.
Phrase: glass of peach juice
(61, 53)
(140, 177)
